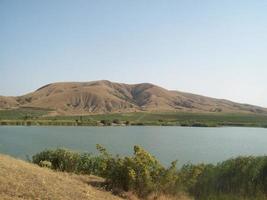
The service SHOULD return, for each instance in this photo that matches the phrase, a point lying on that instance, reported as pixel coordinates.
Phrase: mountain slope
(105, 97)
(8, 102)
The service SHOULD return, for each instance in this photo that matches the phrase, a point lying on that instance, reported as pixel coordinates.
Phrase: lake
(185, 144)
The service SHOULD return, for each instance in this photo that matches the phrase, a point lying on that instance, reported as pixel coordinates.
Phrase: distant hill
(72, 98)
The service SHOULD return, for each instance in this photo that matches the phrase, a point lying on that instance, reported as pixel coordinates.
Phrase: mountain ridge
(71, 98)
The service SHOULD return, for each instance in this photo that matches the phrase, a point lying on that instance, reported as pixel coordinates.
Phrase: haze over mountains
(71, 98)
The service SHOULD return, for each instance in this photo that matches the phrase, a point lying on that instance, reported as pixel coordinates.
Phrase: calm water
(185, 144)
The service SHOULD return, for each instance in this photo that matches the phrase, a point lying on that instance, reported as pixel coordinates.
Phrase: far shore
(74, 123)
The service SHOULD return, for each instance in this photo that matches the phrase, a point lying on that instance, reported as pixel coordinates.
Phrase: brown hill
(72, 98)
(8, 102)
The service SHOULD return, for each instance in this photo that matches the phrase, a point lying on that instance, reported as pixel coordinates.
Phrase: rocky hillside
(72, 98)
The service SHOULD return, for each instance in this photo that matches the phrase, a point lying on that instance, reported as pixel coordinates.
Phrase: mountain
(8, 102)
(71, 98)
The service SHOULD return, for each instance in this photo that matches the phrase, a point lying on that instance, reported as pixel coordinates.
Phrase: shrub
(139, 124)
(85, 164)
(61, 159)
(3, 123)
(139, 173)
(116, 121)
(189, 175)
(105, 122)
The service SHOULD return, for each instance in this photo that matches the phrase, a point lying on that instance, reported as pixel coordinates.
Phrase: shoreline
(145, 124)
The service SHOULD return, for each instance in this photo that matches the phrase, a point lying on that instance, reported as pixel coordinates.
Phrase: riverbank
(240, 178)
(37, 118)
(23, 180)
(126, 123)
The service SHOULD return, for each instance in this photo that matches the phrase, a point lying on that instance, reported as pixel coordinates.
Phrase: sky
(215, 48)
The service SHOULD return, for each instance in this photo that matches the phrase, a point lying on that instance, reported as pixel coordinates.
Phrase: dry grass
(20, 180)
(131, 196)
(167, 197)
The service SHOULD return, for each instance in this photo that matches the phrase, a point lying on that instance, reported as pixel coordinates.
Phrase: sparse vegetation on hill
(81, 98)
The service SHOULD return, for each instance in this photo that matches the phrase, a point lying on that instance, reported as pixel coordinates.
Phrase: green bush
(139, 173)
(189, 176)
(61, 159)
(105, 122)
(116, 121)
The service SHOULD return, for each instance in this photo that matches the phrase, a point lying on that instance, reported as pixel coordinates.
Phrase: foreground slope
(21, 180)
(70, 98)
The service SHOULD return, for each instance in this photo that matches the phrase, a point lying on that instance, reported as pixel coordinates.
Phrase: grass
(183, 119)
(22, 113)
(30, 116)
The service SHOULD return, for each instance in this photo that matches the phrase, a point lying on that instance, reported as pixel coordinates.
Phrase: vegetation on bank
(235, 179)
(36, 117)
(22, 113)
(20, 180)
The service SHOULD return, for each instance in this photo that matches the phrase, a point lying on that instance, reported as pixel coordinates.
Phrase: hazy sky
(216, 48)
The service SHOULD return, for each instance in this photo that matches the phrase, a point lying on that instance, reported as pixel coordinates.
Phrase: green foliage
(22, 113)
(105, 122)
(242, 178)
(189, 176)
(141, 173)
(116, 121)
(37, 117)
(60, 159)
